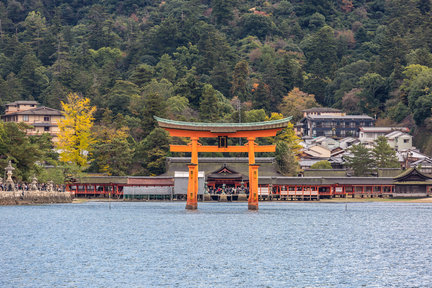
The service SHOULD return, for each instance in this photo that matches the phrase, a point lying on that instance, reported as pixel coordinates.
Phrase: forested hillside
(216, 60)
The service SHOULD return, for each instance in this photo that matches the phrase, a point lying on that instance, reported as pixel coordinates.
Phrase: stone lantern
(33, 185)
(10, 185)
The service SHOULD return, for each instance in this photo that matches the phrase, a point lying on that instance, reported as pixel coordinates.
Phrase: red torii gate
(196, 130)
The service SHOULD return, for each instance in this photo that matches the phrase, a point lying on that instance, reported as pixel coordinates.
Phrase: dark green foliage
(384, 156)
(361, 160)
(349, 57)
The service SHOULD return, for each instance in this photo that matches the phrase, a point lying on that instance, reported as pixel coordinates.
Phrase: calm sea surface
(220, 245)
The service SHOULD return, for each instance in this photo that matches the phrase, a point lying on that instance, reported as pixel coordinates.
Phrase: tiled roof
(383, 129)
(22, 103)
(37, 111)
(347, 117)
(222, 127)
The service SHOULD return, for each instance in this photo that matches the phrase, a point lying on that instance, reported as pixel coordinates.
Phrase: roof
(412, 175)
(395, 134)
(37, 111)
(321, 109)
(222, 127)
(383, 129)
(22, 103)
(347, 117)
(422, 162)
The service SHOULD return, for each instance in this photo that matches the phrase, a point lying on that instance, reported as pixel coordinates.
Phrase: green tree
(223, 10)
(152, 152)
(16, 146)
(165, 68)
(384, 155)
(142, 74)
(324, 164)
(240, 81)
(119, 97)
(321, 46)
(209, 108)
(361, 160)
(112, 152)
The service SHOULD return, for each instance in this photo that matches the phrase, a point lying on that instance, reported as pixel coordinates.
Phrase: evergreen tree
(361, 161)
(240, 80)
(209, 108)
(384, 155)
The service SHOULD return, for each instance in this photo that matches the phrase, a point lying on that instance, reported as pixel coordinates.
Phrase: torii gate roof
(222, 127)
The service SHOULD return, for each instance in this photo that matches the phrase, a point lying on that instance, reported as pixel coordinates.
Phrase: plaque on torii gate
(222, 131)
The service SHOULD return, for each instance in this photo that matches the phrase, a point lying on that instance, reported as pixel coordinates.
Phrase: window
(46, 129)
(47, 119)
(25, 118)
(406, 140)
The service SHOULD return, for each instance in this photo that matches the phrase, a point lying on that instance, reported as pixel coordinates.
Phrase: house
(348, 142)
(368, 135)
(423, 165)
(42, 119)
(412, 183)
(399, 140)
(334, 125)
(317, 151)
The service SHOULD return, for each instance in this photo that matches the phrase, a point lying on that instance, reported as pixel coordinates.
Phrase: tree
(374, 92)
(209, 110)
(75, 137)
(361, 160)
(112, 151)
(165, 68)
(384, 155)
(287, 147)
(152, 151)
(324, 164)
(296, 101)
(321, 46)
(240, 80)
(16, 146)
(222, 10)
(142, 74)
(120, 95)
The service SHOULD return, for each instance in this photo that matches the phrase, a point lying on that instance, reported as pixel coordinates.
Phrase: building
(399, 140)
(334, 125)
(412, 183)
(42, 119)
(323, 111)
(368, 135)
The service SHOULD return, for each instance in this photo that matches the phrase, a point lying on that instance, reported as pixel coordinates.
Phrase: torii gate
(196, 130)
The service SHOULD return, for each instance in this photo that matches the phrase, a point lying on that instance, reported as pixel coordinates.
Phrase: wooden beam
(235, 149)
(206, 134)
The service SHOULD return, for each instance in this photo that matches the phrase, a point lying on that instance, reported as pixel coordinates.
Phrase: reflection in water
(220, 245)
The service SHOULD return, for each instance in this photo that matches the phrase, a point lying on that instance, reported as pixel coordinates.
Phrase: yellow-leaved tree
(75, 135)
(287, 147)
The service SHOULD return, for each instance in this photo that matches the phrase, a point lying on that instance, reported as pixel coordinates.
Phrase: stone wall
(33, 197)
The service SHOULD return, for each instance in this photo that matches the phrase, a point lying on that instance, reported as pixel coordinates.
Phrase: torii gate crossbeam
(194, 131)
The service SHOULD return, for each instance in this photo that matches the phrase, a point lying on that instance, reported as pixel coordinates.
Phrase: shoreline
(333, 200)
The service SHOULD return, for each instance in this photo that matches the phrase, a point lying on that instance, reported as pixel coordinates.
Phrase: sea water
(160, 244)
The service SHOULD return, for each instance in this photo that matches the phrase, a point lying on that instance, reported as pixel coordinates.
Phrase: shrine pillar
(191, 202)
(253, 176)
(192, 193)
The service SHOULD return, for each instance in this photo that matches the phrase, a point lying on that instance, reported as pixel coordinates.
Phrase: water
(220, 245)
